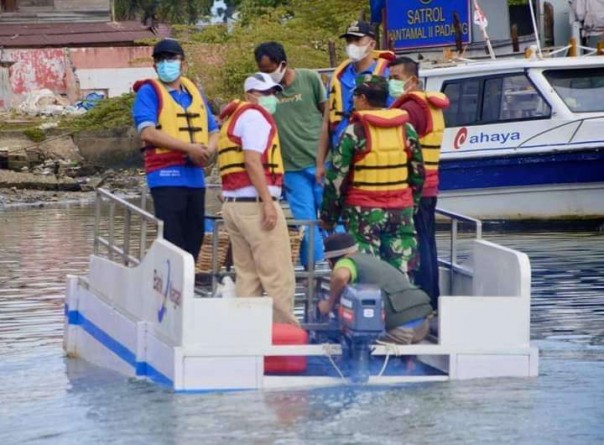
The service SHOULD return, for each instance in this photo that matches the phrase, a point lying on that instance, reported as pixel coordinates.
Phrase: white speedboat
(523, 137)
(143, 316)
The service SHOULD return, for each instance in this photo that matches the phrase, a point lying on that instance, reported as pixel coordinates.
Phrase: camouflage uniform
(387, 233)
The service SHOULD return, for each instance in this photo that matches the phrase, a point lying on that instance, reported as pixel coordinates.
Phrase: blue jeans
(304, 196)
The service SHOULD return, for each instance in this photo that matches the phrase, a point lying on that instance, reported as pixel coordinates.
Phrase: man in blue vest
(362, 58)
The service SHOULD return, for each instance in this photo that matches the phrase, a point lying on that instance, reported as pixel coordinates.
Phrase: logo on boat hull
(162, 284)
(483, 138)
(460, 138)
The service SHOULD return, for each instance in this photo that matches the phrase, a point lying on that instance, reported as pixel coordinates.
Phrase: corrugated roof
(72, 34)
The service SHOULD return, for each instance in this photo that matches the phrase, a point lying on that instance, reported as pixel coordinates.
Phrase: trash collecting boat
(141, 312)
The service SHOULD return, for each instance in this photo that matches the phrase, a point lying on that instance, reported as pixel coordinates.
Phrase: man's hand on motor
(324, 307)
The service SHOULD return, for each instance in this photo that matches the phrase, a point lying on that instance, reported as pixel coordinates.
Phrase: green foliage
(171, 11)
(34, 134)
(304, 27)
(222, 56)
(517, 2)
(183, 11)
(109, 113)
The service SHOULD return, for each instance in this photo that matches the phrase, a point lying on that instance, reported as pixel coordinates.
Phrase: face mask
(269, 103)
(277, 75)
(396, 87)
(356, 53)
(168, 70)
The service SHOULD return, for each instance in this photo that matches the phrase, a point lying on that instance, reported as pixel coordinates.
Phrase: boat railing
(452, 264)
(311, 277)
(135, 235)
(139, 228)
(121, 243)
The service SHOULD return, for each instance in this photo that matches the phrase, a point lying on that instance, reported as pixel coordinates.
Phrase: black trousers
(182, 209)
(426, 277)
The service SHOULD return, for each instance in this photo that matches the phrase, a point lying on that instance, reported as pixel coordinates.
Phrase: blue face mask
(168, 70)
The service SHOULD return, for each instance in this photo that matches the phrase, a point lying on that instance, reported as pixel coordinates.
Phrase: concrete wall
(119, 147)
(116, 57)
(37, 68)
(95, 68)
(106, 81)
(82, 5)
(73, 72)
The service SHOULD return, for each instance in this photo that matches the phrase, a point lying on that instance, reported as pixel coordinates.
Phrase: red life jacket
(432, 104)
(230, 153)
(379, 175)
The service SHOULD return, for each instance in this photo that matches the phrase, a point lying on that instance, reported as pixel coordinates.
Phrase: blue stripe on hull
(576, 167)
(76, 318)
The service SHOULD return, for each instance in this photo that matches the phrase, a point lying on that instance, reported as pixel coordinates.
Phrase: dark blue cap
(168, 46)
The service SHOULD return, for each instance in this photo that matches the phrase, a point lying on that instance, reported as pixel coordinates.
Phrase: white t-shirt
(254, 131)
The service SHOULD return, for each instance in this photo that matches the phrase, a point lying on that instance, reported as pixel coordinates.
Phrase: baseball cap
(339, 244)
(370, 83)
(359, 29)
(168, 46)
(260, 82)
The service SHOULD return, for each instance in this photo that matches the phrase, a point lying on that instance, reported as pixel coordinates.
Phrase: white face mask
(356, 53)
(278, 74)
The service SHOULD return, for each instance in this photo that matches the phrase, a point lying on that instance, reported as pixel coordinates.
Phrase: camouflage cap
(369, 83)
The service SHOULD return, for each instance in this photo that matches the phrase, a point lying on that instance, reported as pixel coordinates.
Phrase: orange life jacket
(379, 174)
(336, 96)
(190, 125)
(230, 153)
(433, 104)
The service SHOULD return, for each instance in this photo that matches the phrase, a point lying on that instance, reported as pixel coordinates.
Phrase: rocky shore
(25, 188)
(54, 161)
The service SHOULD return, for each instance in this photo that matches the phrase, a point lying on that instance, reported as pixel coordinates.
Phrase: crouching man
(251, 171)
(407, 308)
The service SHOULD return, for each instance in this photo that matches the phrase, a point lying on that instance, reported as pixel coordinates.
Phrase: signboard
(426, 23)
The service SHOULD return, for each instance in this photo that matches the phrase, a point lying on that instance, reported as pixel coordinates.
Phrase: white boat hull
(564, 201)
(147, 322)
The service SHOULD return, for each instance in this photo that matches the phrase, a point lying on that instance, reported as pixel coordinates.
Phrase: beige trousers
(262, 258)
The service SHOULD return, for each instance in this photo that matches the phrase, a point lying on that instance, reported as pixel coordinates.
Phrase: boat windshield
(581, 89)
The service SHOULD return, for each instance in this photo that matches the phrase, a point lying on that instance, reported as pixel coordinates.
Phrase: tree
(304, 27)
(170, 11)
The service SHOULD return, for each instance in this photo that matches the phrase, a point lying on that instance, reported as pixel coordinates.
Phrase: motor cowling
(361, 317)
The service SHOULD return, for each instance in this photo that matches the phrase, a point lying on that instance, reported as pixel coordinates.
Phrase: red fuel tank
(286, 334)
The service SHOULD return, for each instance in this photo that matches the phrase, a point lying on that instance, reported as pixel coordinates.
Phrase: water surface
(48, 399)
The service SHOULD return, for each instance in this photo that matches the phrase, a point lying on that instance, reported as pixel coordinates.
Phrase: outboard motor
(361, 316)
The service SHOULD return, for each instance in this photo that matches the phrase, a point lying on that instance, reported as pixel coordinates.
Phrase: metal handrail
(103, 196)
(452, 265)
(310, 273)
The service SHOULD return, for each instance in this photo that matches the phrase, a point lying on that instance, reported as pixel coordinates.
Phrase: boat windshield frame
(591, 101)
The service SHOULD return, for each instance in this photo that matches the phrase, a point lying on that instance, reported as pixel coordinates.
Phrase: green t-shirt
(347, 263)
(299, 120)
